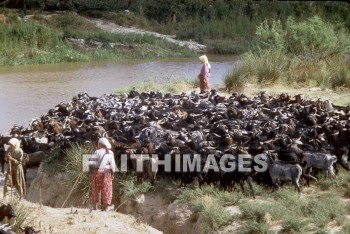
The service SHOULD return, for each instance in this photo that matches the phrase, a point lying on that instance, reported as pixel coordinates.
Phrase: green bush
(209, 202)
(318, 210)
(53, 161)
(345, 229)
(128, 187)
(253, 211)
(326, 209)
(293, 224)
(252, 227)
(312, 38)
(272, 37)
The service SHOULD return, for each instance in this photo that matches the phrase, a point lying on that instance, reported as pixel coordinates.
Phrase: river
(29, 91)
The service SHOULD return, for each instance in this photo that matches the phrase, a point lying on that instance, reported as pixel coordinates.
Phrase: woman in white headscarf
(15, 175)
(103, 174)
(204, 74)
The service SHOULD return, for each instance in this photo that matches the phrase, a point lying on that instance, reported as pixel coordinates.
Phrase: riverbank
(68, 37)
(338, 97)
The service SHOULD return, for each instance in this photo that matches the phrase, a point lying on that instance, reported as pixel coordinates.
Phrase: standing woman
(103, 174)
(15, 175)
(204, 74)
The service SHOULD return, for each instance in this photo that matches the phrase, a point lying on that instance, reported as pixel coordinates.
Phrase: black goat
(32, 160)
(229, 178)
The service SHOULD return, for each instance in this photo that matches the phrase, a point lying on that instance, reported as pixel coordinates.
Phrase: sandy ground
(76, 220)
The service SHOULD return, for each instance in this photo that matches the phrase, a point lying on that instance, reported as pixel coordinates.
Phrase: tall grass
(309, 52)
(274, 68)
(22, 216)
(72, 164)
(264, 68)
(238, 77)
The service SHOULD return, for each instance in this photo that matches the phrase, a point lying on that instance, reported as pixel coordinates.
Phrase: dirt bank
(158, 209)
(69, 220)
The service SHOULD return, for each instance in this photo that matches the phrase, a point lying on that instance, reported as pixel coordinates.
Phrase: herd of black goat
(292, 132)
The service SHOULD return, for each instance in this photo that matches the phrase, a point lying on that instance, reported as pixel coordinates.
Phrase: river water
(27, 92)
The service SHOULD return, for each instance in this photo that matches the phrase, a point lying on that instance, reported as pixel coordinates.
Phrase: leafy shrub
(253, 227)
(345, 229)
(273, 36)
(312, 38)
(53, 161)
(129, 188)
(209, 202)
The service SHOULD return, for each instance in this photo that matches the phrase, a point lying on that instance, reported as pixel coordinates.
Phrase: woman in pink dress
(204, 74)
(103, 174)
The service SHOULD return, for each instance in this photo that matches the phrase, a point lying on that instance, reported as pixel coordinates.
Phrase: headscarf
(15, 142)
(204, 59)
(105, 142)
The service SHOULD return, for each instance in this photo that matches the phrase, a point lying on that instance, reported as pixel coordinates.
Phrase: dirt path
(113, 28)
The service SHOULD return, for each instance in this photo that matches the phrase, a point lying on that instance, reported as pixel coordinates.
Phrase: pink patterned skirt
(102, 182)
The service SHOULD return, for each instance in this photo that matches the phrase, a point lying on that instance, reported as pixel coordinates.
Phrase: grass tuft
(252, 227)
(209, 202)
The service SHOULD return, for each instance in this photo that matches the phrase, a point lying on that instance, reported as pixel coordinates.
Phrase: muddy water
(29, 91)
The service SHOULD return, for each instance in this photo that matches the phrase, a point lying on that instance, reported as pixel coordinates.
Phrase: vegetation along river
(29, 91)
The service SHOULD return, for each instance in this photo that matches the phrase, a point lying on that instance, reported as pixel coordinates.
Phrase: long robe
(17, 175)
(204, 77)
